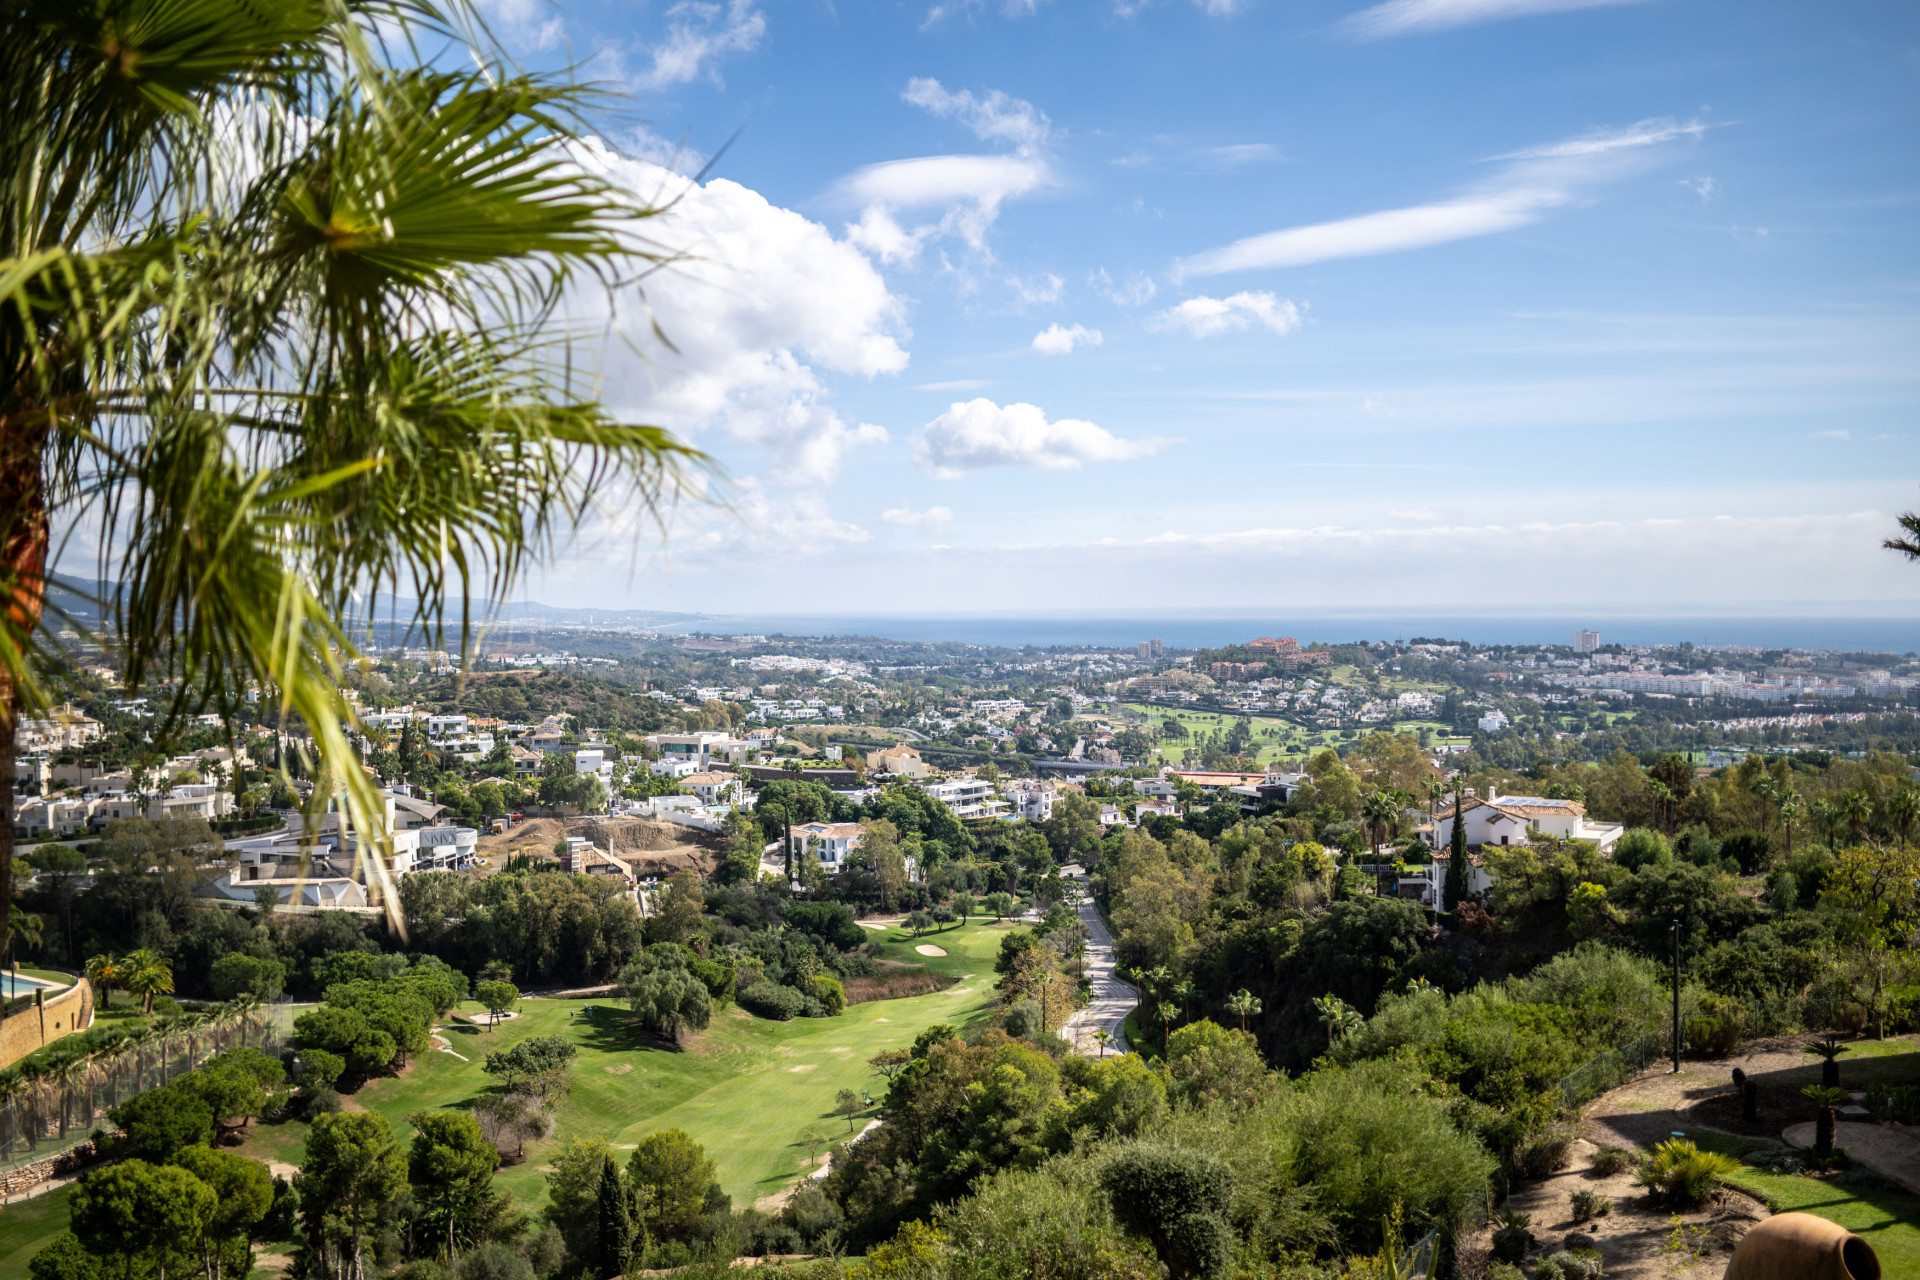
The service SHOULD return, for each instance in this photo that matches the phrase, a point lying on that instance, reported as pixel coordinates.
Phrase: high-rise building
(1586, 641)
(1147, 649)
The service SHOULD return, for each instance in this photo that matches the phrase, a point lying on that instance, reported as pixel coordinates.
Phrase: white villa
(1502, 819)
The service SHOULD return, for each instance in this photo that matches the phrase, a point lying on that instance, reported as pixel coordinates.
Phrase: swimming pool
(21, 985)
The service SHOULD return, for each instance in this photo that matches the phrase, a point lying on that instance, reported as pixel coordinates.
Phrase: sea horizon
(1181, 630)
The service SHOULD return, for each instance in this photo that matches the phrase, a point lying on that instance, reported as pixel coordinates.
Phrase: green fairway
(26, 1227)
(747, 1088)
(1288, 739)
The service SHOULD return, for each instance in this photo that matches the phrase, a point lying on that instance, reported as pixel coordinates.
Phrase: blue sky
(1070, 306)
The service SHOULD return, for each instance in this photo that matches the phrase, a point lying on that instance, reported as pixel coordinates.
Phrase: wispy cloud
(1533, 181)
(1418, 17)
(1220, 159)
(1137, 291)
(1055, 340)
(698, 35)
(993, 117)
(978, 434)
(969, 189)
(1205, 317)
(932, 519)
(957, 384)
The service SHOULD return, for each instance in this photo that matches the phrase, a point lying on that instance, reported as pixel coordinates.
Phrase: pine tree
(1454, 892)
(616, 1221)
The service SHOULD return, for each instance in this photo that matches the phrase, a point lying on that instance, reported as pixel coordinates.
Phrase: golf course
(751, 1090)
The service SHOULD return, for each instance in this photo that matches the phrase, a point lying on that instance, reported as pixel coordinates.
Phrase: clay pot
(1799, 1246)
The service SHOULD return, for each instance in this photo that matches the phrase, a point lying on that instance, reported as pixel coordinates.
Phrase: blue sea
(1197, 630)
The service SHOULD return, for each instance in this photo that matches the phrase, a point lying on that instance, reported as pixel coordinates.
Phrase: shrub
(1024, 1019)
(1683, 1175)
(1511, 1239)
(323, 1101)
(1588, 1205)
(831, 995)
(1569, 1266)
(1578, 1242)
(1547, 1154)
(771, 1000)
(1608, 1161)
(1775, 1160)
(1641, 847)
(1497, 1270)
(1178, 1199)
(1719, 1029)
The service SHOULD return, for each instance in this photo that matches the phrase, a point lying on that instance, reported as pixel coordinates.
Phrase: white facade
(1586, 641)
(1509, 820)
(966, 797)
(1031, 801)
(830, 842)
(1492, 722)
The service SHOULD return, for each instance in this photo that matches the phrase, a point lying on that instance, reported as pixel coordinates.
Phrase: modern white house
(1030, 800)
(966, 797)
(830, 842)
(714, 788)
(1493, 722)
(1511, 820)
(703, 749)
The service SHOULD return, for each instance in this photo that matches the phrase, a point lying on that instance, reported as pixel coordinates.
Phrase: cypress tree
(616, 1221)
(1455, 890)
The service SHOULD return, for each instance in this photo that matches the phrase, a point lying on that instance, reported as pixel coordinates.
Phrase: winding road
(1112, 998)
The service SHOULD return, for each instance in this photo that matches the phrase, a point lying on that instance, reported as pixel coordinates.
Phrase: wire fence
(1609, 1069)
(52, 1102)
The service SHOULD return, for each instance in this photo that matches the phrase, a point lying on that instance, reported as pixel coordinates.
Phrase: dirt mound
(649, 846)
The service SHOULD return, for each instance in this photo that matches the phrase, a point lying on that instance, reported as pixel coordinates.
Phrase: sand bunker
(928, 949)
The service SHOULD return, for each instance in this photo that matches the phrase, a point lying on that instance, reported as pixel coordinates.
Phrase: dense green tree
(450, 1166)
(352, 1173)
(142, 1214)
(243, 1195)
(669, 998)
(159, 1122)
(498, 997)
(669, 1179)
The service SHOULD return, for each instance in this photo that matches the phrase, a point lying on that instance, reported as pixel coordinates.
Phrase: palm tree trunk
(23, 559)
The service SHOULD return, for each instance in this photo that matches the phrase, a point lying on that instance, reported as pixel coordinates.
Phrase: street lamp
(1676, 995)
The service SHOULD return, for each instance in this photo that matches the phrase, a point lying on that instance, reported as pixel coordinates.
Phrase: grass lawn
(1290, 739)
(746, 1089)
(1886, 1217)
(28, 1226)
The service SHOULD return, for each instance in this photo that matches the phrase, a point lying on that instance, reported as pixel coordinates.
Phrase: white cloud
(1534, 181)
(1220, 8)
(761, 299)
(993, 117)
(1205, 317)
(968, 189)
(957, 384)
(1137, 291)
(1056, 341)
(1416, 17)
(971, 189)
(530, 25)
(699, 35)
(1702, 186)
(932, 519)
(978, 434)
(1037, 290)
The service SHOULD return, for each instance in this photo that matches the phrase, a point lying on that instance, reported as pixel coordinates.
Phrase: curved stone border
(56, 1016)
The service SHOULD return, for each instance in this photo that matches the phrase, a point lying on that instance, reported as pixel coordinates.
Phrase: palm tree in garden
(276, 308)
(112, 1054)
(13, 1093)
(103, 972)
(1183, 992)
(147, 974)
(1379, 811)
(1243, 1004)
(1102, 1036)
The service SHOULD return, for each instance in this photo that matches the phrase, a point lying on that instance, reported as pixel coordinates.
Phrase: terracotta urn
(1799, 1246)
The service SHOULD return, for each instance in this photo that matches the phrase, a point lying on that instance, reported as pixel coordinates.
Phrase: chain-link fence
(52, 1101)
(1609, 1069)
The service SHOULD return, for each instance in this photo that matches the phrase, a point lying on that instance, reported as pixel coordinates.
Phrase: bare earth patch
(805, 1066)
(618, 1068)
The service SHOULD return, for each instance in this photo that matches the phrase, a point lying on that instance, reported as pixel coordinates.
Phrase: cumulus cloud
(1532, 182)
(759, 301)
(1057, 341)
(1205, 317)
(978, 434)
(968, 190)
(526, 25)
(1418, 17)
(1037, 290)
(932, 519)
(698, 36)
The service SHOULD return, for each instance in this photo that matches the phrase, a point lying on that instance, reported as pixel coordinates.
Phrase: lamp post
(1676, 995)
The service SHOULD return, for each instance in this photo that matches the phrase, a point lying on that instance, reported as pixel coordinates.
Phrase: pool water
(20, 985)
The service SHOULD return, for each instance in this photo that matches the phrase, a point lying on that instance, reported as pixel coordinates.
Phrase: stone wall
(63, 1013)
